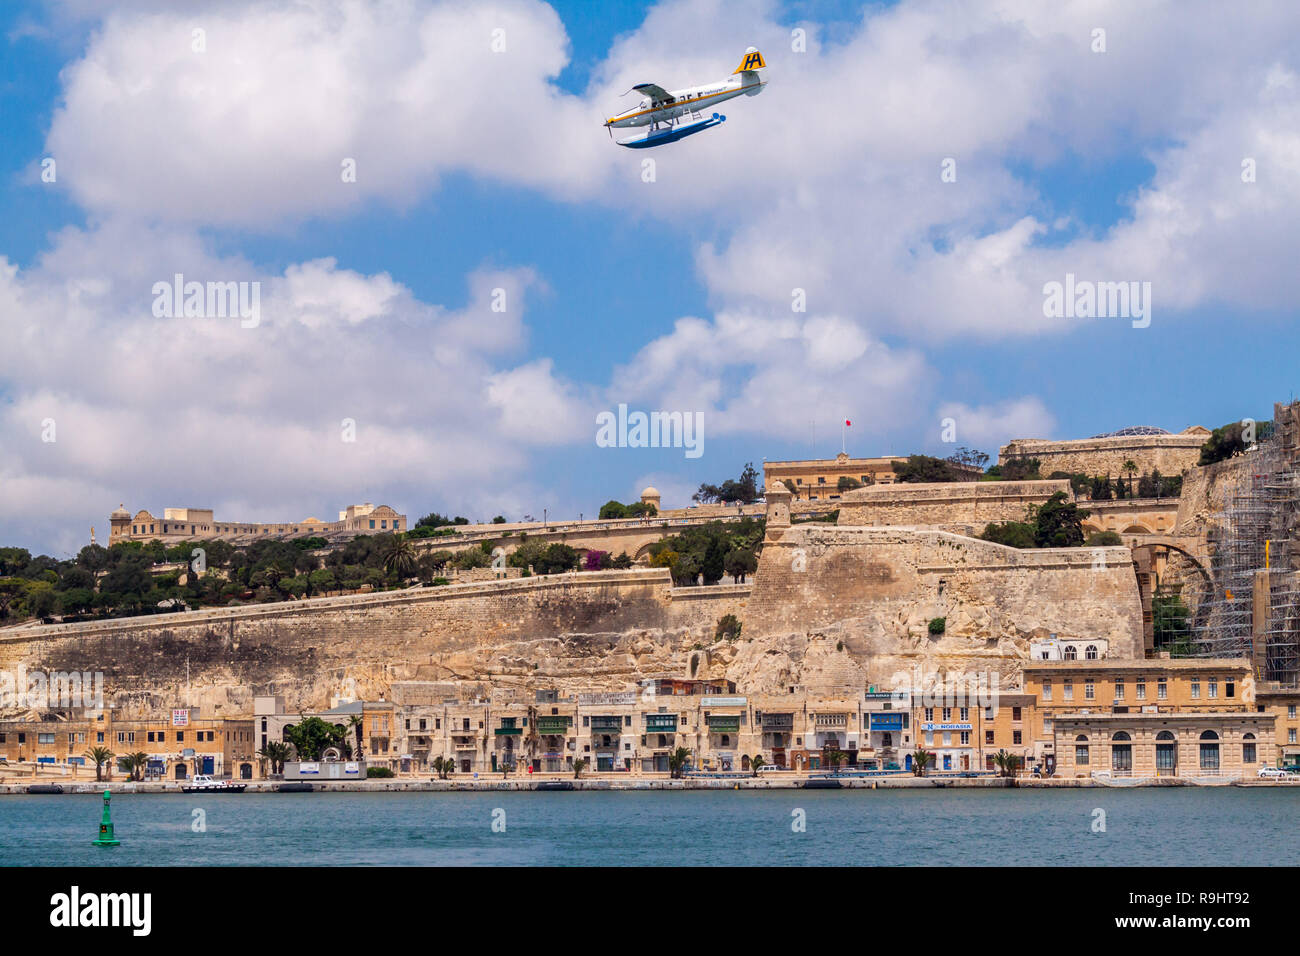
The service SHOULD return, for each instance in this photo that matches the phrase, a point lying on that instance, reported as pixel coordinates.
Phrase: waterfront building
(176, 747)
(1282, 703)
(886, 730)
(1147, 715)
(606, 730)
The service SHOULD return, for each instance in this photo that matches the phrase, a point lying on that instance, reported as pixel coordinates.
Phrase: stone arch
(643, 552)
(1090, 528)
(1137, 529)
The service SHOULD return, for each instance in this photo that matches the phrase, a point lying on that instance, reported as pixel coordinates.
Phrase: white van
(773, 768)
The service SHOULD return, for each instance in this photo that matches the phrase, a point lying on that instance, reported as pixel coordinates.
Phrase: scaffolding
(1250, 607)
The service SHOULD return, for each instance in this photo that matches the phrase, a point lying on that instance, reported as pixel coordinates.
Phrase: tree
(1007, 763)
(1020, 469)
(134, 765)
(1013, 534)
(728, 628)
(399, 557)
(1130, 469)
(579, 765)
(678, 761)
(1103, 539)
(926, 468)
(743, 490)
(1169, 617)
(1231, 439)
(613, 509)
(741, 562)
(499, 519)
(847, 483)
(100, 757)
(1059, 523)
(275, 753)
(969, 457)
(313, 736)
(756, 763)
(443, 766)
(920, 761)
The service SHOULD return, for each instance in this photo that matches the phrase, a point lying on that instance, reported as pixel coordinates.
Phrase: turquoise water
(1184, 827)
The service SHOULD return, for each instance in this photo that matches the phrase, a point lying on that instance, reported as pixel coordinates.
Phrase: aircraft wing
(656, 93)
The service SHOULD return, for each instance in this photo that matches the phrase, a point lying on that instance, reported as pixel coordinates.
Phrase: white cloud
(988, 427)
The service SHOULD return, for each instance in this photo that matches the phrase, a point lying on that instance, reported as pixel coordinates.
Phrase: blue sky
(669, 295)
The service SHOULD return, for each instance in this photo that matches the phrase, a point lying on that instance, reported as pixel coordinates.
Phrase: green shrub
(938, 624)
(379, 772)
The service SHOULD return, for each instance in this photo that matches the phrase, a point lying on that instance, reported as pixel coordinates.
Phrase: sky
(458, 270)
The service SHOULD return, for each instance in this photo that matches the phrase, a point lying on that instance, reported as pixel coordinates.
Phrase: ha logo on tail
(675, 114)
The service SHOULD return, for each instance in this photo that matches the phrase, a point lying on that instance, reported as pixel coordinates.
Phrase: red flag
(847, 422)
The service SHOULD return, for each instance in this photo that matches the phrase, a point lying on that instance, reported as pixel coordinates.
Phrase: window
(1248, 748)
(947, 713)
(1119, 689)
(1196, 688)
(1212, 685)
(1089, 690)
(929, 715)
(1067, 689)
(1070, 653)
(180, 736)
(1081, 754)
(45, 738)
(1091, 652)
(1047, 690)
(1015, 713)
(947, 738)
(965, 713)
(1290, 712)
(1229, 688)
(965, 738)
(1121, 752)
(1209, 750)
(988, 737)
(1290, 735)
(1162, 689)
(1141, 688)
(1015, 737)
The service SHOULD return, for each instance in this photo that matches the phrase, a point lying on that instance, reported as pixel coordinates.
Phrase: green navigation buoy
(106, 837)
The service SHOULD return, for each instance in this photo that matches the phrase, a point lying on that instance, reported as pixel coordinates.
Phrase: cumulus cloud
(151, 409)
(990, 426)
(827, 186)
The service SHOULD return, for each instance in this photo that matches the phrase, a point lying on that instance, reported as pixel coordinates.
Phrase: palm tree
(277, 753)
(757, 763)
(355, 723)
(1007, 763)
(443, 766)
(920, 760)
(677, 761)
(100, 756)
(399, 557)
(579, 765)
(134, 765)
(1129, 468)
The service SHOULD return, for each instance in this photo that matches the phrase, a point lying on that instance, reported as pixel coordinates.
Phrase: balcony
(607, 725)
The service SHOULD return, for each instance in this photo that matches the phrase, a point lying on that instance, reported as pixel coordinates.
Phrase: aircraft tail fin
(753, 61)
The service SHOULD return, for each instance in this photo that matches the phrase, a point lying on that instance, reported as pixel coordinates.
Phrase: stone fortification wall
(841, 606)
(964, 506)
(590, 631)
(1171, 454)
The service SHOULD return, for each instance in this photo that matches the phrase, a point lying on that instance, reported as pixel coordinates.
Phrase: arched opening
(1071, 653)
(1210, 751)
(744, 762)
(1166, 754)
(1248, 752)
(1137, 529)
(181, 771)
(1090, 653)
(1121, 752)
(245, 771)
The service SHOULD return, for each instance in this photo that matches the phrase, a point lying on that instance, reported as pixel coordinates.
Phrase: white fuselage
(692, 99)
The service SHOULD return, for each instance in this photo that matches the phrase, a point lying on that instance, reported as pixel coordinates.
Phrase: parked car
(773, 768)
(1272, 773)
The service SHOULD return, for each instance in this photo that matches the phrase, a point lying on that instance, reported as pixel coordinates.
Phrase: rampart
(967, 506)
(591, 630)
(1171, 454)
(858, 604)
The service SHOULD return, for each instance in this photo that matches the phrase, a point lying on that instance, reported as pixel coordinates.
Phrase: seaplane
(676, 114)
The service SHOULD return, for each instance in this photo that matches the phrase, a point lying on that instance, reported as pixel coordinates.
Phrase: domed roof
(121, 512)
(1134, 430)
(650, 492)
